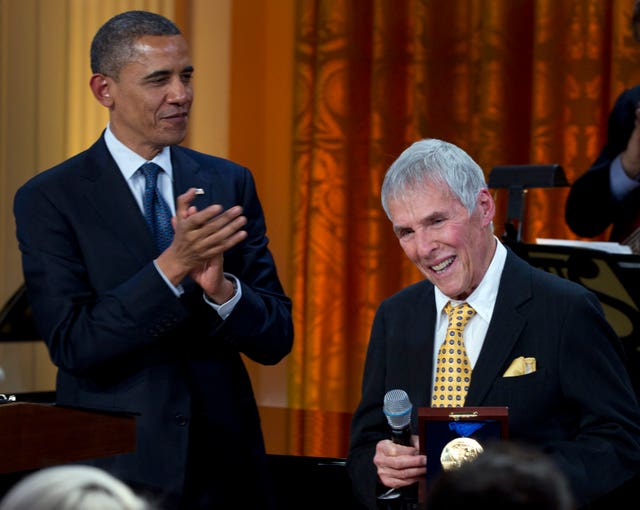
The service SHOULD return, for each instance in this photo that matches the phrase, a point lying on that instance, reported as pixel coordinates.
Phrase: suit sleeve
(590, 206)
(268, 336)
(605, 448)
(85, 321)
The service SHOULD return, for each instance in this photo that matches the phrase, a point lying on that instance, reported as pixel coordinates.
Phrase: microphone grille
(397, 408)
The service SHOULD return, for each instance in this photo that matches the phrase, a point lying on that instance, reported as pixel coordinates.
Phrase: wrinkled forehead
(417, 190)
(421, 200)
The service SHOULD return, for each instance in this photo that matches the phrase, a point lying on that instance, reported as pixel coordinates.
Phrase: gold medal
(458, 451)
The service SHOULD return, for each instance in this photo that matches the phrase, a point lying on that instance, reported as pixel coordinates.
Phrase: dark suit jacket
(122, 341)
(590, 206)
(578, 405)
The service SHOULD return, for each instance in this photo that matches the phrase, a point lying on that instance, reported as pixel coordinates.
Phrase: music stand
(517, 179)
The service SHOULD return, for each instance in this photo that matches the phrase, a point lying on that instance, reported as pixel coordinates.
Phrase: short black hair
(113, 46)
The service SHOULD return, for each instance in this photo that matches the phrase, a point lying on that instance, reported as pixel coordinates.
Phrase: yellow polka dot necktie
(453, 370)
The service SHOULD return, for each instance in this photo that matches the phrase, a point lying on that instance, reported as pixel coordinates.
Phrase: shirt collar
(129, 161)
(483, 298)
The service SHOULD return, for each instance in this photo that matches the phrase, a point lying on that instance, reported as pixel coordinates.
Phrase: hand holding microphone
(398, 408)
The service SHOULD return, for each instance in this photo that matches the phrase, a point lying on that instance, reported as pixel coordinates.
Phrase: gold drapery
(510, 81)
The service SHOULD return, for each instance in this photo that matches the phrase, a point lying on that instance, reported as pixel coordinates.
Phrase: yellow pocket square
(521, 366)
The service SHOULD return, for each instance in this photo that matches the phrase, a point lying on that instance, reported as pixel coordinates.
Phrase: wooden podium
(36, 435)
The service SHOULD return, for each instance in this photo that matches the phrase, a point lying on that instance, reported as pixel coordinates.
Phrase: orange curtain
(510, 81)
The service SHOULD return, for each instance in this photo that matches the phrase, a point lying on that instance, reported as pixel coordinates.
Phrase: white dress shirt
(482, 299)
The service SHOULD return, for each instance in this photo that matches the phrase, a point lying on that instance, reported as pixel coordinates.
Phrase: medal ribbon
(465, 429)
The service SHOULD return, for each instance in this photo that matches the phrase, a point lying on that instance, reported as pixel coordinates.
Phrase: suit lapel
(506, 325)
(187, 174)
(420, 337)
(105, 190)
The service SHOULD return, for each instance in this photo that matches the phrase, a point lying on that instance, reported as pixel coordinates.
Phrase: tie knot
(150, 170)
(460, 314)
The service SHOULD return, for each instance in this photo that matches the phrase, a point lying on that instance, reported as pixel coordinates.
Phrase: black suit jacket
(590, 206)
(121, 339)
(579, 404)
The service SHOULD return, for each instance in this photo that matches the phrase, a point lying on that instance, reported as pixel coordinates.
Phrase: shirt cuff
(178, 291)
(225, 309)
(621, 183)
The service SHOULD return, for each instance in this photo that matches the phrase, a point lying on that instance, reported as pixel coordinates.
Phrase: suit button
(181, 419)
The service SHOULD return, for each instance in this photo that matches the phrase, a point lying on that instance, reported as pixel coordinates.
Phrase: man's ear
(486, 206)
(100, 85)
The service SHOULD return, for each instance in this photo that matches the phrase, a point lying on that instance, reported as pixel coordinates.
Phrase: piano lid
(16, 321)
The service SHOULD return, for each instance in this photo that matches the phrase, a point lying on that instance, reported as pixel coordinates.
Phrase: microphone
(397, 408)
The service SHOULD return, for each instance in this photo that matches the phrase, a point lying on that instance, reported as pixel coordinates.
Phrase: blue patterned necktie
(453, 370)
(156, 210)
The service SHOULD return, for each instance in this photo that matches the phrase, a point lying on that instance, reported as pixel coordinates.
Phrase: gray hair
(113, 46)
(72, 487)
(437, 162)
